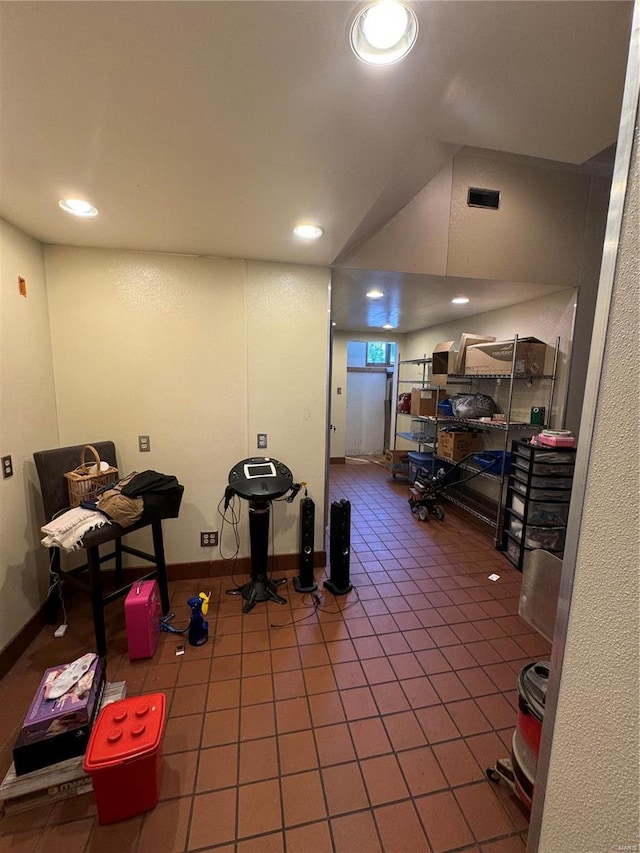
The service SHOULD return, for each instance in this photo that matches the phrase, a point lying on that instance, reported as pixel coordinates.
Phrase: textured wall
(592, 794)
(538, 232)
(200, 354)
(27, 423)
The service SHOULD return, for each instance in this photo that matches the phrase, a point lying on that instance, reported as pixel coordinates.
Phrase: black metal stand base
(258, 589)
(297, 583)
(335, 590)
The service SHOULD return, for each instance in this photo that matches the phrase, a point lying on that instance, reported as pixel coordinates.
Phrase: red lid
(126, 730)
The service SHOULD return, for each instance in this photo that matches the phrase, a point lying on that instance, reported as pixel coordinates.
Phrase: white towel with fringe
(66, 530)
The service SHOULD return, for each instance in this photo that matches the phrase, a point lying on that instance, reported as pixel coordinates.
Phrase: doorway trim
(615, 218)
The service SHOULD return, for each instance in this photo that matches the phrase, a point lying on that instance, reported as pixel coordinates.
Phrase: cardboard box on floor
(57, 782)
(497, 358)
(423, 403)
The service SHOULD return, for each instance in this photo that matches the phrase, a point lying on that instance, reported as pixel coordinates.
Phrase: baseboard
(222, 568)
(338, 460)
(16, 647)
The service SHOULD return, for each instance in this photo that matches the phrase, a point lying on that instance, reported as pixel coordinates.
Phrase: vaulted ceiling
(211, 128)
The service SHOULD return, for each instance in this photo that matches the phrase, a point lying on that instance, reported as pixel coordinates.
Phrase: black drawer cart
(538, 496)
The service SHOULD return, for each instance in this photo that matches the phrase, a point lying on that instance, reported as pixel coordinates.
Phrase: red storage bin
(124, 757)
(142, 619)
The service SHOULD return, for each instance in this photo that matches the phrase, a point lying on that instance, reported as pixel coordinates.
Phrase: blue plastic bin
(418, 460)
(491, 460)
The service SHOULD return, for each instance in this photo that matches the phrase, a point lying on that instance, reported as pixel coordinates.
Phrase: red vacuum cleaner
(519, 771)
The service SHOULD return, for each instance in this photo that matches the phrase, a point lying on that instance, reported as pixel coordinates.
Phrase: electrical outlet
(262, 441)
(7, 467)
(144, 443)
(208, 538)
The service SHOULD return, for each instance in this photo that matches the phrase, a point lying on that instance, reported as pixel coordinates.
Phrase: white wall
(544, 319)
(592, 791)
(27, 423)
(200, 354)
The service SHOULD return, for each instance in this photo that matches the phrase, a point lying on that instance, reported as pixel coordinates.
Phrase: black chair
(51, 466)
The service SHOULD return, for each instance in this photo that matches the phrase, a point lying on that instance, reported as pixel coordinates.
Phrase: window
(380, 353)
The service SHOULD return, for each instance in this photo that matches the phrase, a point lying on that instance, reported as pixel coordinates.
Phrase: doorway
(369, 368)
(365, 418)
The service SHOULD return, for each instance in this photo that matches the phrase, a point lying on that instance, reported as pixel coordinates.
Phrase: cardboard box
(57, 729)
(397, 461)
(468, 340)
(454, 446)
(423, 403)
(443, 362)
(396, 456)
(60, 781)
(497, 358)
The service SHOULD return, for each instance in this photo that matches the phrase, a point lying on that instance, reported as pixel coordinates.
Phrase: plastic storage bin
(543, 469)
(549, 538)
(544, 482)
(124, 757)
(418, 460)
(492, 460)
(542, 494)
(142, 615)
(541, 513)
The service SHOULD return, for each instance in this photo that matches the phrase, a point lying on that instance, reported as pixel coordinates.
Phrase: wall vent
(483, 198)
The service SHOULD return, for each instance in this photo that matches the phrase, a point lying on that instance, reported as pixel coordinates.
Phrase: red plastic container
(124, 757)
(142, 619)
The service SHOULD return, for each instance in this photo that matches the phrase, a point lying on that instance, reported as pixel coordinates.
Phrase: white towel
(66, 530)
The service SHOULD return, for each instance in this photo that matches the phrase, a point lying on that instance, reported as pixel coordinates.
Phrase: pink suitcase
(142, 619)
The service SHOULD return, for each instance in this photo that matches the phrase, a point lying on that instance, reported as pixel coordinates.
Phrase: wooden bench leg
(97, 605)
(161, 566)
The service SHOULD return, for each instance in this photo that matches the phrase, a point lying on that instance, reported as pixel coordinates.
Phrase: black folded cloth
(148, 481)
(161, 493)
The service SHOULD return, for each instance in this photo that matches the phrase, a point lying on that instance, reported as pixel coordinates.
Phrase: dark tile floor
(363, 725)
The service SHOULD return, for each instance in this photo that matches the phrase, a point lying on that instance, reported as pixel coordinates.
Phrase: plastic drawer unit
(538, 497)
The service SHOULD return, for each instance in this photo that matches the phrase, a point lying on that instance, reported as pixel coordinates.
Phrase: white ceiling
(211, 128)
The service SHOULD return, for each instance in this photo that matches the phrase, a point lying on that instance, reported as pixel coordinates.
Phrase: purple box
(49, 717)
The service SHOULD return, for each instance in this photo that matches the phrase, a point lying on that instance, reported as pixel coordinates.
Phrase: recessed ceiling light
(460, 300)
(384, 32)
(78, 207)
(308, 231)
(387, 326)
(375, 294)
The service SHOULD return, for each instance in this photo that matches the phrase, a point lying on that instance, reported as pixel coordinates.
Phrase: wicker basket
(87, 479)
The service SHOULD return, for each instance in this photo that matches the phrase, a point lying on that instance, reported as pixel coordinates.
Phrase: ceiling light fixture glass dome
(384, 32)
(460, 300)
(308, 231)
(78, 207)
(375, 293)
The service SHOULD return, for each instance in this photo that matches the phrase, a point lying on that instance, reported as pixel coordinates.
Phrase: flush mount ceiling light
(308, 231)
(460, 300)
(387, 326)
(78, 207)
(375, 294)
(384, 32)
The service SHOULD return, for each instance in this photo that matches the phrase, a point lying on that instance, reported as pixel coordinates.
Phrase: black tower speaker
(305, 581)
(339, 548)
